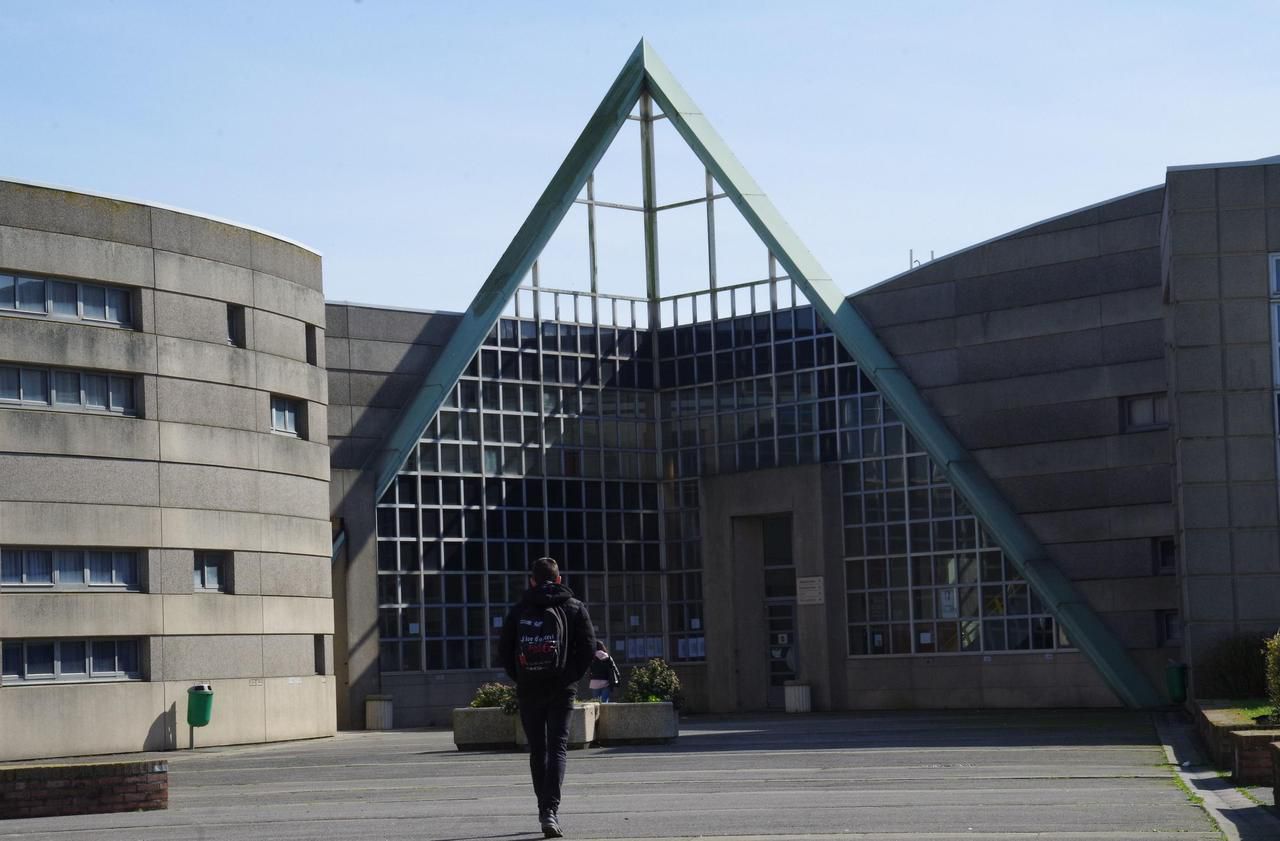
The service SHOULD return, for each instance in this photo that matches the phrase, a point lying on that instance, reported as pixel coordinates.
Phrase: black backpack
(542, 641)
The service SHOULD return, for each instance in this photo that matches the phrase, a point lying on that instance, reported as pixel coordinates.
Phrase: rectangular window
(313, 353)
(285, 416)
(1146, 411)
(66, 299)
(1169, 627)
(235, 325)
(1164, 555)
(67, 389)
(210, 572)
(31, 294)
(69, 569)
(45, 661)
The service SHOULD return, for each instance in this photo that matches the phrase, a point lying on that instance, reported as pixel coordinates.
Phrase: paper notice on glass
(634, 621)
(497, 621)
(413, 627)
(635, 648)
(695, 624)
(654, 647)
(620, 645)
(948, 603)
(697, 647)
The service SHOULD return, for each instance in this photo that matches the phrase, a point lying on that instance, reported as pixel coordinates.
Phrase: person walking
(547, 644)
(604, 673)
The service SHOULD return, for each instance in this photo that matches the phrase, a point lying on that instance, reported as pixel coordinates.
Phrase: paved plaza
(1044, 775)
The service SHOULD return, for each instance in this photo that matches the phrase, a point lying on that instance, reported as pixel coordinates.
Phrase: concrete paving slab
(906, 776)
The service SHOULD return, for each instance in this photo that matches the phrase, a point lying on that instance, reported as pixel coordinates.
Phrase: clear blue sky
(406, 141)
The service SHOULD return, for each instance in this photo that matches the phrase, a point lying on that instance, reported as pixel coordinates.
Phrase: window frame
(58, 676)
(203, 561)
(121, 559)
(1127, 425)
(51, 402)
(111, 297)
(285, 405)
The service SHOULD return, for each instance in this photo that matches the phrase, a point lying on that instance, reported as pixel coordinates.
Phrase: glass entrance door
(779, 605)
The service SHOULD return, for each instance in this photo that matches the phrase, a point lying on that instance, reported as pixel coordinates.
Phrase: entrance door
(779, 605)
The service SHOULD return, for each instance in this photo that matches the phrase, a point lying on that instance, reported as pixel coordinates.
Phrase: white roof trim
(1274, 159)
(159, 206)
(389, 308)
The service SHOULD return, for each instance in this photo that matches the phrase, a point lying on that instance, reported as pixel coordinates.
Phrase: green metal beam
(514, 264)
(644, 72)
(968, 479)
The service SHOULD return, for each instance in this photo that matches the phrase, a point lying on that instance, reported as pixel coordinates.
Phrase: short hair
(544, 570)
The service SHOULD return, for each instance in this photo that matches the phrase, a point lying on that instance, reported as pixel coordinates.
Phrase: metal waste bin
(199, 705)
(1175, 681)
(797, 695)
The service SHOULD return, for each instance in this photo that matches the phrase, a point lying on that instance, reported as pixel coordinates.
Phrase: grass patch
(1254, 708)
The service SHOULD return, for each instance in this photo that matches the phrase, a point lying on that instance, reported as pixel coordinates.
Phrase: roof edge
(171, 208)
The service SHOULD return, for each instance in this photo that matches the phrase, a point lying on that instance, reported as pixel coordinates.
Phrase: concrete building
(1029, 473)
(165, 469)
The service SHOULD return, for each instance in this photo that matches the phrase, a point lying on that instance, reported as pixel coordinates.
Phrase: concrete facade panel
(194, 444)
(296, 575)
(205, 362)
(66, 720)
(204, 486)
(73, 345)
(203, 614)
(279, 336)
(294, 496)
(284, 260)
(408, 327)
(36, 615)
(239, 711)
(295, 615)
(282, 297)
(294, 456)
(198, 237)
(1242, 230)
(1243, 275)
(202, 658)
(188, 317)
(78, 434)
(285, 696)
(293, 379)
(62, 211)
(43, 252)
(194, 276)
(70, 524)
(71, 479)
(207, 404)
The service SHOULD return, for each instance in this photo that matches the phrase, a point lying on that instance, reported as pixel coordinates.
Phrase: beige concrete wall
(376, 358)
(199, 468)
(1220, 225)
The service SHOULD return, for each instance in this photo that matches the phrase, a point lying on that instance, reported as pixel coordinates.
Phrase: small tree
(654, 681)
(1232, 668)
(497, 695)
(1271, 651)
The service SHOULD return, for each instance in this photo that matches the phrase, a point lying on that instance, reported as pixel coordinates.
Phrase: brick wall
(37, 791)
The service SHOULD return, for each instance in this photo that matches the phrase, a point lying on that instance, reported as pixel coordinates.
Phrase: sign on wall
(809, 590)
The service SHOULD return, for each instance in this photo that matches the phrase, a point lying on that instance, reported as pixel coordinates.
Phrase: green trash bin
(199, 705)
(1175, 681)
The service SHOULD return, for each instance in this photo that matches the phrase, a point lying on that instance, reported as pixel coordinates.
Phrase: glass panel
(9, 389)
(70, 568)
(39, 566)
(95, 391)
(95, 302)
(63, 295)
(7, 291)
(121, 394)
(213, 572)
(11, 566)
(100, 568)
(35, 386)
(126, 568)
(11, 656)
(66, 388)
(118, 306)
(104, 657)
(39, 659)
(73, 659)
(31, 294)
(127, 656)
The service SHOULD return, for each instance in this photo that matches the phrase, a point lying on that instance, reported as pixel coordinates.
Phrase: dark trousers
(545, 717)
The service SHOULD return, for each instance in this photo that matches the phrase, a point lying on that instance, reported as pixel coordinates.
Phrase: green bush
(497, 695)
(1271, 651)
(1232, 669)
(654, 681)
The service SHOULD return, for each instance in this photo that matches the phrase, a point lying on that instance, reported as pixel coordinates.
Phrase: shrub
(654, 681)
(1271, 651)
(1233, 668)
(497, 695)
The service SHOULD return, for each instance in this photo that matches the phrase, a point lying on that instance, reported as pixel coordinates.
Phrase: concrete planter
(1215, 722)
(637, 724)
(582, 726)
(1251, 759)
(484, 728)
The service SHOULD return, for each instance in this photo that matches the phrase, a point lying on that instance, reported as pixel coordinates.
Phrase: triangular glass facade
(584, 422)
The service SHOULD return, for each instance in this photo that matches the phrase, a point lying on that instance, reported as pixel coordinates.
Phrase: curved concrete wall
(198, 468)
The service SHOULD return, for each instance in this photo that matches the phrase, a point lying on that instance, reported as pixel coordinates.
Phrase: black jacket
(603, 668)
(580, 637)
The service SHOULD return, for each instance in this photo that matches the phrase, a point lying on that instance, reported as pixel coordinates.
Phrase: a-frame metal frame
(644, 73)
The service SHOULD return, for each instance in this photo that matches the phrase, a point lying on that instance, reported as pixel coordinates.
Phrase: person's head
(544, 570)
(600, 646)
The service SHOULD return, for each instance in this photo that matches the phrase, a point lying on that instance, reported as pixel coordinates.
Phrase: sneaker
(551, 826)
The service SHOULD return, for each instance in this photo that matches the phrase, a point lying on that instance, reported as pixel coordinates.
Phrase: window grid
(69, 660)
(66, 389)
(210, 572)
(285, 416)
(68, 569)
(585, 442)
(60, 298)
